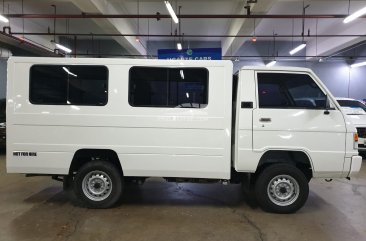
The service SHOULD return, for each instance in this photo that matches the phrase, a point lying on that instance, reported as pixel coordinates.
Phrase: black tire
(102, 173)
(288, 177)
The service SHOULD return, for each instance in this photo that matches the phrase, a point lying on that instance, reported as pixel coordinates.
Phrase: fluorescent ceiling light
(179, 46)
(355, 15)
(3, 19)
(68, 71)
(67, 50)
(297, 49)
(171, 11)
(358, 64)
(181, 74)
(273, 62)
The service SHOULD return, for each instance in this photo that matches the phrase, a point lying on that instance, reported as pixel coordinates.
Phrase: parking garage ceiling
(227, 21)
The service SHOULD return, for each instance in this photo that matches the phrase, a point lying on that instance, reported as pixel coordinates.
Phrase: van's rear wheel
(98, 184)
(281, 188)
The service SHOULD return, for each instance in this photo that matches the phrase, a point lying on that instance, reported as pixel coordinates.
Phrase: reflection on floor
(37, 209)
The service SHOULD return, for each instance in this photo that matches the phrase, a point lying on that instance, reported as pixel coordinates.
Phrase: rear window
(68, 85)
(168, 87)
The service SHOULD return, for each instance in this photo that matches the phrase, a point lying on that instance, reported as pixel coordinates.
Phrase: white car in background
(356, 111)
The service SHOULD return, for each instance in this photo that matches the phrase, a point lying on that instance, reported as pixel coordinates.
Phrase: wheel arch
(83, 156)
(299, 158)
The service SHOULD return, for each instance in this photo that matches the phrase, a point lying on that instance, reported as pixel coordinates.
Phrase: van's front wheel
(98, 184)
(281, 188)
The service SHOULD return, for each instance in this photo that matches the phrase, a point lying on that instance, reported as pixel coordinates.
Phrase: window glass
(280, 90)
(68, 85)
(168, 87)
(352, 104)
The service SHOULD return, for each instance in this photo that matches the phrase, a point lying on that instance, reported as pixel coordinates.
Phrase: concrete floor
(37, 209)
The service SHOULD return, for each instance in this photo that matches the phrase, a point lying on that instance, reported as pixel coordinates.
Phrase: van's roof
(152, 62)
(63, 60)
(279, 68)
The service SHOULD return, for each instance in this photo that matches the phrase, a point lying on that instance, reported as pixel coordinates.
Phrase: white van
(356, 113)
(100, 123)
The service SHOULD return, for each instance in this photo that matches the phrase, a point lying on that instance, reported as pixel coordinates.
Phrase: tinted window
(68, 85)
(168, 87)
(352, 104)
(278, 90)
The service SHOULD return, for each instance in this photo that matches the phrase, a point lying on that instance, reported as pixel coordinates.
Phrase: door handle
(265, 120)
(247, 104)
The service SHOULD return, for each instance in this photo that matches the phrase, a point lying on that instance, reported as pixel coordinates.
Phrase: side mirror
(327, 105)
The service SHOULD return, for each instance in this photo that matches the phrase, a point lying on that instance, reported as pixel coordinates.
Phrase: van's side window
(168, 87)
(282, 90)
(68, 85)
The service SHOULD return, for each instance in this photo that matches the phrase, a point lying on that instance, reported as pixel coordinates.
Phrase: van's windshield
(354, 104)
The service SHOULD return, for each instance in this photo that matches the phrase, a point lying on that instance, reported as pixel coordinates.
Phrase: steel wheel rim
(97, 185)
(283, 190)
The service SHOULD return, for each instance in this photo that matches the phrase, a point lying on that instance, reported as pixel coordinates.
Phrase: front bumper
(356, 162)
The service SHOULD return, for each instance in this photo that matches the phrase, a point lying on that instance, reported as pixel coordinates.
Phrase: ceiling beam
(14, 43)
(323, 46)
(183, 16)
(129, 43)
(244, 26)
(287, 36)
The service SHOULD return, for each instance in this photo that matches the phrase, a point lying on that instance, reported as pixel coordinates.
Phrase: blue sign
(191, 54)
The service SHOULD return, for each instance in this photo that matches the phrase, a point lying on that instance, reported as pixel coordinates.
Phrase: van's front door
(291, 114)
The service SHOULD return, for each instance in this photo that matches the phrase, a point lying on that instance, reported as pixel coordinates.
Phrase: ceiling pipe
(281, 57)
(186, 35)
(191, 16)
